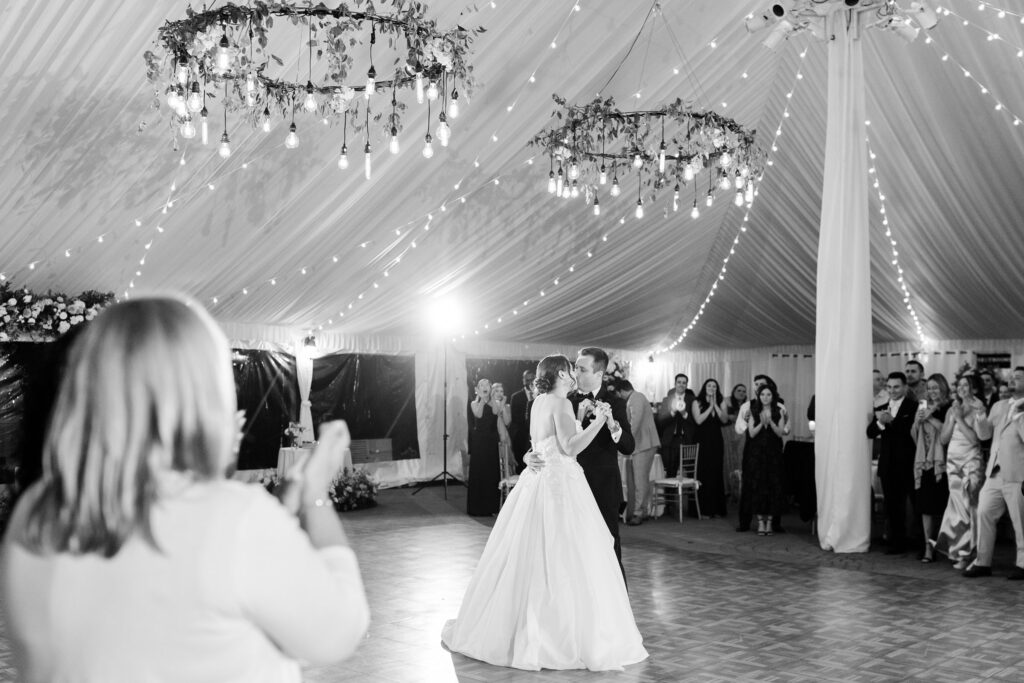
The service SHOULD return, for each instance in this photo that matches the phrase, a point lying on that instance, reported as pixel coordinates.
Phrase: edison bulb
(225, 146)
(453, 105)
(597, 207)
(188, 130)
(204, 127)
(428, 147)
(309, 104)
(343, 159)
(371, 82)
(393, 145)
(639, 213)
(559, 180)
(551, 182)
(574, 171)
(444, 132)
(367, 161)
(292, 140)
(574, 192)
(432, 91)
(419, 88)
(603, 178)
(724, 183)
(688, 173)
(224, 54)
(739, 181)
(694, 212)
(637, 160)
(725, 160)
(615, 187)
(183, 71)
(195, 99)
(738, 200)
(266, 120)
(250, 82)
(661, 159)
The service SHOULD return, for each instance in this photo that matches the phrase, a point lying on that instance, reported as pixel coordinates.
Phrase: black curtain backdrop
(267, 387)
(375, 395)
(508, 372)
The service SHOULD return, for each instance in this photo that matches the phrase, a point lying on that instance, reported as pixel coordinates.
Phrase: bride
(548, 592)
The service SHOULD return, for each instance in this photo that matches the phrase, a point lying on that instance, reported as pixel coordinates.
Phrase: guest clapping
(709, 415)
(931, 489)
(134, 559)
(767, 424)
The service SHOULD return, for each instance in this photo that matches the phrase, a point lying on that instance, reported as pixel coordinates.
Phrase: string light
(984, 90)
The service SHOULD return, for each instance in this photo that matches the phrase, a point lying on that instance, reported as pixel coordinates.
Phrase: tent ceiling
(86, 155)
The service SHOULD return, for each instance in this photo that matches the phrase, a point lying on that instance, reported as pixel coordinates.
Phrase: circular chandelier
(224, 53)
(666, 147)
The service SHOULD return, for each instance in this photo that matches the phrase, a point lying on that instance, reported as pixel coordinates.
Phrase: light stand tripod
(445, 475)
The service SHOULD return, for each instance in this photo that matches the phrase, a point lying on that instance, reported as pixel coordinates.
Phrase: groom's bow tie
(587, 395)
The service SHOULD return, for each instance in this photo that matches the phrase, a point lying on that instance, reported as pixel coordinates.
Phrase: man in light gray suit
(1004, 477)
(641, 419)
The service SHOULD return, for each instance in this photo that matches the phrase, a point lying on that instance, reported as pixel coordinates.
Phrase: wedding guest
(519, 415)
(767, 424)
(965, 427)
(914, 371)
(880, 400)
(501, 408)
(1005, 391)
(931, 488)
(133, 558)
(482, 497)
(645, 434)
(733, 441)
(896, 461)
(989, 393)
(676, 423)
(1003, 476)
(707, 412)
(746, 514)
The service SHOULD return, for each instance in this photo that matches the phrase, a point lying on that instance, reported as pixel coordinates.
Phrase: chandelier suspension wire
(647, 16)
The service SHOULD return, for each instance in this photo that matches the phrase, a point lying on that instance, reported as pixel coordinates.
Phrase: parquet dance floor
(712, 604)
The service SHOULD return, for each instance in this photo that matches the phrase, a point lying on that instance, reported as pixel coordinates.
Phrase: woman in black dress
(709, 415)
(767, 425)
(482, 498)
(931, 485)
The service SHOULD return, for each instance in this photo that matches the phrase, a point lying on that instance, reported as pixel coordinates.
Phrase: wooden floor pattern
(712, 605)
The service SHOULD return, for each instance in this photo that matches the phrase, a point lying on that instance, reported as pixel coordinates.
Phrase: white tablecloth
(286, 457)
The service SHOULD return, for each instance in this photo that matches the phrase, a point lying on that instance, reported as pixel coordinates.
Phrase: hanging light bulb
(639, 213)
(603, 178)
(710, 200)
(371, 82)
(188, 130)
(224, 54)
(694, 212)
(574, 170)
(749, 193)
(428, 147)
(309, 104)
(292, 140)
(725, 183)
(739, 181)
(266, 120)
(661, 158)
(687, 173)
(738, 200)
(615, 187)
(551, 182)
(195, 99)
(575, 191)
(453, 104)
(432, 91)
(250, 89)
(419, 88)
(367, 161)
(559, 180)
(597, 206)
(343, 158)
(725, 160)
(638, 161)
(204, 127)
(675, 198)
(393, 145)
(183, 71)
(443, 132)
(225, 146)
(745, 171)
(172, 98)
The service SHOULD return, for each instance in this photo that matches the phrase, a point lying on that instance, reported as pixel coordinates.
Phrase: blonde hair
(148, 389)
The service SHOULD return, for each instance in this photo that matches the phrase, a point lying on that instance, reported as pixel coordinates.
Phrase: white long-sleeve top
(235, 593)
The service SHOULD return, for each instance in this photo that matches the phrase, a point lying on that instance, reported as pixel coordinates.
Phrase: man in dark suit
(600, 460)
(892, 424)
(676, 424)
(519, 428)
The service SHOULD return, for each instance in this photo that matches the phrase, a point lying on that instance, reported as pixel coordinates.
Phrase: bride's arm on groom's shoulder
(572, 442)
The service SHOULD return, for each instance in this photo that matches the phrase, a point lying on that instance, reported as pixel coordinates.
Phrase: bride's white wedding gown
(548, 592)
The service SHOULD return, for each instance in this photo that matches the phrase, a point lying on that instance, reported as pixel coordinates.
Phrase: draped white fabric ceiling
(85, 155)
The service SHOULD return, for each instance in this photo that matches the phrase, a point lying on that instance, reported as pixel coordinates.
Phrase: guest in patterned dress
(931, 489)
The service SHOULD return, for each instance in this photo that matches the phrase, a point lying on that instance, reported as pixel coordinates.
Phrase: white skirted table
(286, 457)
(657, 472)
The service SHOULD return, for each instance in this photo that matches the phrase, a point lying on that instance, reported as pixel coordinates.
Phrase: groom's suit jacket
(603, 452)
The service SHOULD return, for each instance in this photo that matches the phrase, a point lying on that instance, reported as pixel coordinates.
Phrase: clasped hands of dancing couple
(531, 602)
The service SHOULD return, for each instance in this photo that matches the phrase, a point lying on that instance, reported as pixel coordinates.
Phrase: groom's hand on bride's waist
(533, 461)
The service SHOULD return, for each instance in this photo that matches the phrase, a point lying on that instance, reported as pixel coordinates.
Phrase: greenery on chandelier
(28, 316)
(227, 52)
(669, 145)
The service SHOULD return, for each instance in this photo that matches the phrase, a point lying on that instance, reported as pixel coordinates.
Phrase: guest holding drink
(931, 488)
(708, 414)
(965, 427)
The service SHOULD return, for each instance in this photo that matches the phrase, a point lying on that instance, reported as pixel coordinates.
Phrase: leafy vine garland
(28, 316)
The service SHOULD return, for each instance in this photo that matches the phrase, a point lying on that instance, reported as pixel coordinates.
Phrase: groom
(600, 460)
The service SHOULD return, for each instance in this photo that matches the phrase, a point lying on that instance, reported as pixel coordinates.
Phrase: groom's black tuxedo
(600, 461)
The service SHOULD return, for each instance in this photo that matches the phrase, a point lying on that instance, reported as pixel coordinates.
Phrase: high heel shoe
(768, 528)
(762, 529)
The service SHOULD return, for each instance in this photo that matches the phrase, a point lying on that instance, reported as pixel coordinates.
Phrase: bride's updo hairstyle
(547, 372)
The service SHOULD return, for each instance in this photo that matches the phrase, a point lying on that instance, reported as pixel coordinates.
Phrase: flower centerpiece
(293, 434)
(269, 479)
(353, 490)
(25, 315)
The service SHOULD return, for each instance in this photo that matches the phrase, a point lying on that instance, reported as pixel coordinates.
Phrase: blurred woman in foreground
(134, 559)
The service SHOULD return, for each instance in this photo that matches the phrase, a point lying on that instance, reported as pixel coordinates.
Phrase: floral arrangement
(228, 49)
(353, 490)
(24, 314)
(293, 433)
(269, 479)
